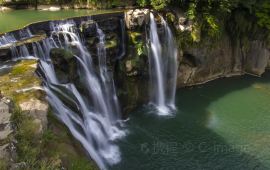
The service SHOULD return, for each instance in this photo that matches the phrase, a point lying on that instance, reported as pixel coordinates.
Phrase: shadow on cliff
(185, 142)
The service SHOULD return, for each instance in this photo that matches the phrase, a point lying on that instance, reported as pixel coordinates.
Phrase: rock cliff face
(210, 60)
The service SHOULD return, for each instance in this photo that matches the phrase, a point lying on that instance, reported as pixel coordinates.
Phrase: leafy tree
(156, 4)
(159, 4)
(143, 3)
(262, 12)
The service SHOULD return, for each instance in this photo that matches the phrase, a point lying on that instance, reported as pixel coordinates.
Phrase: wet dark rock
(65, 65)
(88, 28)
(109, 25)
(5, 54)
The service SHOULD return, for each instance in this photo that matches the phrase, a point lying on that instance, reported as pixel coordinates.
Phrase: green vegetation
(60, 144)
(50, 150)
(156, 4)
(30, 143)
(3, 164)
(262, 13)
(209, 16)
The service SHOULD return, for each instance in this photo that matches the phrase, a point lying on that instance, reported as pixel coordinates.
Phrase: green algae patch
(111, 44)
(135, 37)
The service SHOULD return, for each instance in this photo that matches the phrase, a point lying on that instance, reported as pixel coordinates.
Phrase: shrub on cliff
(156, 4)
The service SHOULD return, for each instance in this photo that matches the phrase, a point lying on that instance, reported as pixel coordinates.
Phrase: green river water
(224, 124)
(17, 19)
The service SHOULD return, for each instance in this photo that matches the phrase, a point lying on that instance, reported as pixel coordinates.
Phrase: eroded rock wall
(214, 59)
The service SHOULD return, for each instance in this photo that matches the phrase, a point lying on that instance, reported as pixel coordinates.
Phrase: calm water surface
(224, 124)
(16, 19)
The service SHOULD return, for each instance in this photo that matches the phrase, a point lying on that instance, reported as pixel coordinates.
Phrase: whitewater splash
(163, 67)
(95, 124)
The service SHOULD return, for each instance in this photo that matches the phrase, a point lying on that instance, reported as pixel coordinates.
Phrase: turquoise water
(17, 19)
(224, 124)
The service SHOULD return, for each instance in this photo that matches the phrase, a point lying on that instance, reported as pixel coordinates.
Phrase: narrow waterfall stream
(92, 118)
(163, 67)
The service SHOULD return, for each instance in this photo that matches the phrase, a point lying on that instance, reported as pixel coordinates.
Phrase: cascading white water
(95, 124)
(123, 39)
(99, 125)
(106, 79)
(7, 39)
(171, 54)
(163, 67)
(95, 120)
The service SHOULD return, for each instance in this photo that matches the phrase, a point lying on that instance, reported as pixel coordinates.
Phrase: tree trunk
(36, 4)
(60, 4)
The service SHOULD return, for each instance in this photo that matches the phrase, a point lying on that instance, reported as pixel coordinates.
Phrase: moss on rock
(20, 82)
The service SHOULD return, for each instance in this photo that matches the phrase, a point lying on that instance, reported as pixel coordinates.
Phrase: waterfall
(90, 107)
(93, 117)
(163, 67)
(7, 39)
(122, 51)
